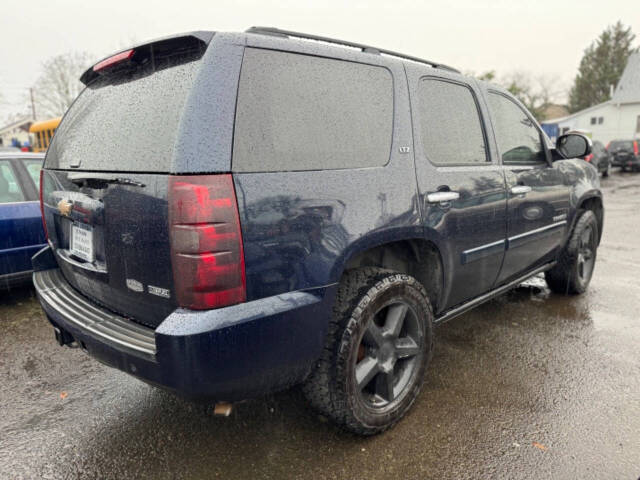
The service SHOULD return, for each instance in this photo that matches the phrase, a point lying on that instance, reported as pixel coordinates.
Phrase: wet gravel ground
(531, 385)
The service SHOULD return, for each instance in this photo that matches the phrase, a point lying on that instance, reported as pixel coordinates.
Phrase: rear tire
(607, 171)
(573, 272)
(379, 344)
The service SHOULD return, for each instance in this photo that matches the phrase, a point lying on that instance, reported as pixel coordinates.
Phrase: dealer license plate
(82, 241)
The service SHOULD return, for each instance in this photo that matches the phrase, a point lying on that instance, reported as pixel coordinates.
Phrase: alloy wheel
(389, 355)
(586, 256)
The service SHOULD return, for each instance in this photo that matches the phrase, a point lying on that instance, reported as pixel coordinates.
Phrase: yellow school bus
(43, 133)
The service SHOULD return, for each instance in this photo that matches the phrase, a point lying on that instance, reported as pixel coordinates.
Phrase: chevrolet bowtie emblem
(64, 207)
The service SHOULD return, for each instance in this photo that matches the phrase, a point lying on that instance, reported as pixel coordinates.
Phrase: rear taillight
(635, 148)
(589, 157)
(206, 241)
(44, 223)
(607, 147)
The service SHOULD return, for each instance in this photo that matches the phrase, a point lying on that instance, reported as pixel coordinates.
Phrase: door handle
(442, 197)
(520, 190)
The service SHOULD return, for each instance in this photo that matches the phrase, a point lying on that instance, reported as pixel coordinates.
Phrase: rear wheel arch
(417, 257)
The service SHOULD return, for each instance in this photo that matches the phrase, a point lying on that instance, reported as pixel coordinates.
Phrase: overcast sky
(545, 37)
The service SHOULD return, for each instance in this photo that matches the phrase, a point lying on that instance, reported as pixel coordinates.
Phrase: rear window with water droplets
(125, 124)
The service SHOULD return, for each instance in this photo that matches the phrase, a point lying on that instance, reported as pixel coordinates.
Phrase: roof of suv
(205, 37)
(333, 41)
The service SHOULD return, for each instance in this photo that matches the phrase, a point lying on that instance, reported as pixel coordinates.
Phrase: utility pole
(33, 105)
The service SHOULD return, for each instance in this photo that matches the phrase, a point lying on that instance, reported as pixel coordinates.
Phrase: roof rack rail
(276, 32)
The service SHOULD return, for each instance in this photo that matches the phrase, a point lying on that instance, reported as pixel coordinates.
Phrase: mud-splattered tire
(572, 273)
(379, 344)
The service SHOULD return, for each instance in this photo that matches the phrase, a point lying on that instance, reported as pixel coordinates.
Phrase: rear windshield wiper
(101, 181)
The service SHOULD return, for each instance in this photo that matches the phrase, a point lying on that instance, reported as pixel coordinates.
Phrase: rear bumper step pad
(55, 292)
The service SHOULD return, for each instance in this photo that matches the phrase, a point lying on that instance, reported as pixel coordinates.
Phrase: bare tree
(536, 92)
(521, 85)
(59, 83)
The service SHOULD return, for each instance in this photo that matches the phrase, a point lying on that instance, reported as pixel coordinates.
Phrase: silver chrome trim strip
(482, 247)
(56, 293)
(19, 249)
(473, 254)
(538, 230)
(468, 255)
(20, 202)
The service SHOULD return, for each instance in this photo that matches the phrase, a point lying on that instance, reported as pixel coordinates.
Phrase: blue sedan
(21, 231)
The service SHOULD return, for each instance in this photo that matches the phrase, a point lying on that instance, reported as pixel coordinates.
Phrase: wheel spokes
(580, 265)
(366, 369)
(585, 240)
(386, 358)
(585, 253)
(384, 386)
(373, 335)
(406, 347)
(395, 319)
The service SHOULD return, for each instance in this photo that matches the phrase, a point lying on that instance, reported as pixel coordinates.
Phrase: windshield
(124, 124)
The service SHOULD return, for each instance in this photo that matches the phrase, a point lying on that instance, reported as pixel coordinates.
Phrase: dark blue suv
(230, 214)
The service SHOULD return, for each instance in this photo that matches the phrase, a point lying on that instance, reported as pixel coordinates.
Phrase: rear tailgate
(111, 240)
(106, 178)
(622, 151)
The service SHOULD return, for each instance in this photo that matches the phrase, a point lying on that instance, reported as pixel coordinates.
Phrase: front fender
(584, 184)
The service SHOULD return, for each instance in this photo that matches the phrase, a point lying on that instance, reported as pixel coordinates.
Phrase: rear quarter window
(299, 112)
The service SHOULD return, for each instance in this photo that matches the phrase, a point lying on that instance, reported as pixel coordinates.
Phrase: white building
(618, 118)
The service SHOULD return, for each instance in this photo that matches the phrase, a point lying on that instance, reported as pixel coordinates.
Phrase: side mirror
(573, 145)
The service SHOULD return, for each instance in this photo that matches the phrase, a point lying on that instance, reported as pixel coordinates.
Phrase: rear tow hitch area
(64, 338)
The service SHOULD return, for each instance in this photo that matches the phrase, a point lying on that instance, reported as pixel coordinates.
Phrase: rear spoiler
(191, 43)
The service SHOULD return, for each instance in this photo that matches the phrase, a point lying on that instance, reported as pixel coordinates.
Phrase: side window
(450, 125)
(299, 112)
(518, 138)
(10, 190)
(33, 167)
